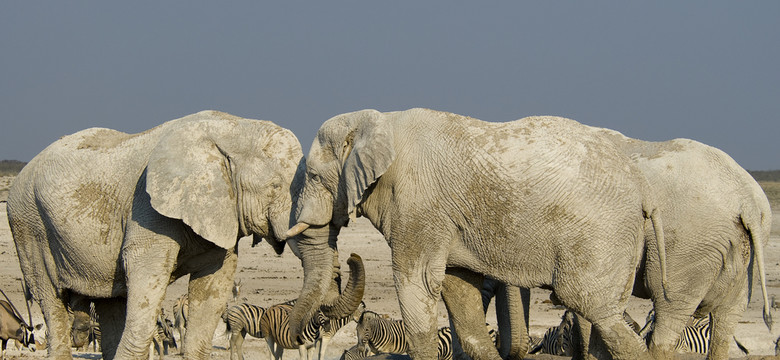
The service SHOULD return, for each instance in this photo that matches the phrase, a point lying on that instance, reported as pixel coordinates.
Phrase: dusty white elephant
(716, 223)
(542, 201)
(116, 217)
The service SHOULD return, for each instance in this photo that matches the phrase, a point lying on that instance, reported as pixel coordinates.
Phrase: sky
(704, 70)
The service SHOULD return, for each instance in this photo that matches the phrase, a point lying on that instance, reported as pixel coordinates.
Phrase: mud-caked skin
(541, 201)
(116, 217)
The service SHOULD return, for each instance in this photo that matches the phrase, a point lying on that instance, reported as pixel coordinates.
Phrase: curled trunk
(350, 299)
(317, 248)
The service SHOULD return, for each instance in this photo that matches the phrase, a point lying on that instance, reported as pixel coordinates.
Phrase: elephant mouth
(297, 229)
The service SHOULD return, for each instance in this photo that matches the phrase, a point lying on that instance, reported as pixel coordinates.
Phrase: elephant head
(351, 151)
(226, 178)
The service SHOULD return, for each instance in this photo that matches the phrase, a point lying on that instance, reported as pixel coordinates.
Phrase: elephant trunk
(350, 299)
(316, 248)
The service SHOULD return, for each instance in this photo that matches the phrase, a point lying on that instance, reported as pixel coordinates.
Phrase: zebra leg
(275, 349)
(462, 296)
(236, 344)
(111, 314)
(322, 345)
(208, 292)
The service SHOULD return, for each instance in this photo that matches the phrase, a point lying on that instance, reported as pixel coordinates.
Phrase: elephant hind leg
(620, 339)
(722, 326)
(58, 325)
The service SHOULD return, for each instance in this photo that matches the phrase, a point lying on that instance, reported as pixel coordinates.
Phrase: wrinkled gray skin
(116, 217)
(716, 223)
(541, 201)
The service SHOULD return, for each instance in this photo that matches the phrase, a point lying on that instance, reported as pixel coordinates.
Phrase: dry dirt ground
(269, 279)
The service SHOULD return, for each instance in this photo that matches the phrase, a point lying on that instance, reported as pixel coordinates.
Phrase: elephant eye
(316, 178)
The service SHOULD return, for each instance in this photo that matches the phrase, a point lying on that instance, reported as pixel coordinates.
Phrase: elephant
(717, 221)
(541, 201)
(110, 217)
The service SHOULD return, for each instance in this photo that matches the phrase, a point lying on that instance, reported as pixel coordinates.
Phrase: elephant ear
(369, 151)
(188, 178)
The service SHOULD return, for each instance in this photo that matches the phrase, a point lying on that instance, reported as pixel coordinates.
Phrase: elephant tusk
(297, 229)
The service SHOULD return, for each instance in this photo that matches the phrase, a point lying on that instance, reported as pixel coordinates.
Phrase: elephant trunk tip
(354, 258)
(297, 229)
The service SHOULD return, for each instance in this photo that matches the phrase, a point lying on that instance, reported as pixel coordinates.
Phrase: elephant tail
(758, 225)
(658, 227)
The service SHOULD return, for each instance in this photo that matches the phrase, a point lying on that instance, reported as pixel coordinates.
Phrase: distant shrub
(771, 175)
(772, 191)
(11, 167)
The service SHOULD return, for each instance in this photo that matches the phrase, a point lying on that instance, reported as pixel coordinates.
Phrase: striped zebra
(275, 328)
(163, 338)
(181, 308)
(557, 339)
(695, 337)
(377, 335)
(240, 320)
(330, 326)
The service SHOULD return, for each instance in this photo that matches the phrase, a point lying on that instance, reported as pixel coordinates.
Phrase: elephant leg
(418, 283)
(111, 315)
(461, 294)
(148, 260)
(209, 289)
(722, 325)
(580, 338)
(622, 342)
(512, 306)
(58, 325)
(666, 331)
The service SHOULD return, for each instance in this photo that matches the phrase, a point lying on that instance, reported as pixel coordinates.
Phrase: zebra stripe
(275, 327)
(377, 335)
(181, 309)
(243, 318)
(695, 338)
(557, 339)
(356, 352)
(240, 320)
(163, 339)
(381, 335)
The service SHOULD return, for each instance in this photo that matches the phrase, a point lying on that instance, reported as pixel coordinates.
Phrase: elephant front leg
(461, 293)
(418, 283)
(209, 289)
(512, 306)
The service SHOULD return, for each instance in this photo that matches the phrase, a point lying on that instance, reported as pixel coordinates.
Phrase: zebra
(181, 309)
(275, 328)
(377, 335)
(240, 320)
(695, 337)
(557, 339)
(330, 326)
(163, 337)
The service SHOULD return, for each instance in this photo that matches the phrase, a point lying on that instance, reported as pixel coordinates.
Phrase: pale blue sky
(706, 70)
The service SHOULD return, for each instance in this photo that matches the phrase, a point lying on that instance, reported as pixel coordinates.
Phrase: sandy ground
(269, 279)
